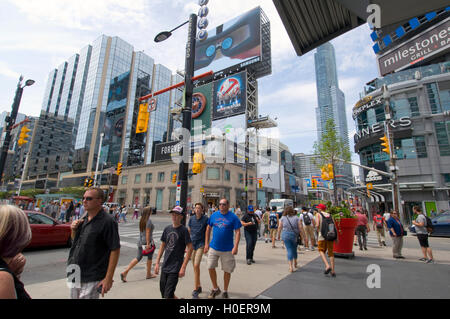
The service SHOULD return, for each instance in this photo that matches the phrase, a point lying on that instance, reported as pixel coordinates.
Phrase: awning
(311, 23)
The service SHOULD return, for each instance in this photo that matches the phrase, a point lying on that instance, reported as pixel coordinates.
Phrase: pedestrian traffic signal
(314, 183)
(198, 163)
(142, 120)
(386, 148)
(23, 136)
(119, 169)
(330, 171)
(174, 179)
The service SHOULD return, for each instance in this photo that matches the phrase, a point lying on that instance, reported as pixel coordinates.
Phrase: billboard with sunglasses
(232, 43)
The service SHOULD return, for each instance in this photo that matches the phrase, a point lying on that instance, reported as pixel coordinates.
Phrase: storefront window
(213, 173)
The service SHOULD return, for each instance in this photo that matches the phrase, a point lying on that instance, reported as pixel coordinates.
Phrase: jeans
(361, 231)
(290, 241)
(250, 237)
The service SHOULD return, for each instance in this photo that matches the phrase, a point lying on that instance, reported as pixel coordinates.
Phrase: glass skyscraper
(331, 103)
(96, 92)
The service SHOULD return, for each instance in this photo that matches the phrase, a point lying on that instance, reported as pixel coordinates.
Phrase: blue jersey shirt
(223, 227)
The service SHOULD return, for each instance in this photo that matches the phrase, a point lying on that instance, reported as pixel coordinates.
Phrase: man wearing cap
(223, 224)
(174, 241)
(251, 222)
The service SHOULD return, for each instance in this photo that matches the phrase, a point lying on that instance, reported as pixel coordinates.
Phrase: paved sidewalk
(269, 276)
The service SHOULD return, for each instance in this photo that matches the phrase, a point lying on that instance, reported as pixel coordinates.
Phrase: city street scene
(241, 150)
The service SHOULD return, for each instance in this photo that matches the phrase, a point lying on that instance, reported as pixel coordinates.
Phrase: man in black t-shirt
(174, 241)
(251, 222)
(95, 250)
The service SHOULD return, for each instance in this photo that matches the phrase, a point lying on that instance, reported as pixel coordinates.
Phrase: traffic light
(142, 120)
(325, 175)
(86, 182)
(314, 183)
(330, 171)
(198, 163)
(260, 184)
(91, 182)
(23, 135)
(386, 148)
(174, 179)
(119, 168)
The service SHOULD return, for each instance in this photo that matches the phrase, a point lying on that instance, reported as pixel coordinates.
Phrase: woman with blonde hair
(145, 244)
(15, 235)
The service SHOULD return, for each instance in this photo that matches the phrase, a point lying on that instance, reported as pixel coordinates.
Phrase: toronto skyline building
(96, 91)
(331, 104)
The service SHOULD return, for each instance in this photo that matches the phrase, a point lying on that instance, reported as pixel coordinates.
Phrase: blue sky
(37, 36)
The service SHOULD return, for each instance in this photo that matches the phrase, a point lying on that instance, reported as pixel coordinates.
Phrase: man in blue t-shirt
(224, 224)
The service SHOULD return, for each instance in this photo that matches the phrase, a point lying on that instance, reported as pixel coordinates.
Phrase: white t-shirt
(259, 213)
(386, 216)
(311, 216)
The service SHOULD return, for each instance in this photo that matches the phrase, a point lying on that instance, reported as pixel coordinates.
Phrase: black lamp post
(187, 110)
(10, 121)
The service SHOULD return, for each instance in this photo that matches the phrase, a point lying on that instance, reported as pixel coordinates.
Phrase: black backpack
(430, 227)
(306, 219)
(328, 229)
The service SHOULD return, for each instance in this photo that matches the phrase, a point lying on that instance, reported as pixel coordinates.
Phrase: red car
(47, 231)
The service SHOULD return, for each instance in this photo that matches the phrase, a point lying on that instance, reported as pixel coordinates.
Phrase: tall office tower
(95, 92)
(331, 103)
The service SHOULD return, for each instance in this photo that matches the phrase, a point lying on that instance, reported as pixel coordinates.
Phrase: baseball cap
(321, 206)
(177, 210)
(250, 208)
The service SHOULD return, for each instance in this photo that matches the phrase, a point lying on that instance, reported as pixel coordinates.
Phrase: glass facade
(443, 137)
(439, 96)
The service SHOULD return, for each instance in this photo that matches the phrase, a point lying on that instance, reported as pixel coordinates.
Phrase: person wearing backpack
(378, 226)
(327, 235)
(308, 225)
(265, 219)
(273, 224)
(423, 227)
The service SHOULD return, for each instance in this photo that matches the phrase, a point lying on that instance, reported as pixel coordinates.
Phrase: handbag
(150, 250)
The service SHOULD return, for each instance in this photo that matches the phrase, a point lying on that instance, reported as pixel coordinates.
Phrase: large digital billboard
(201, 109)
(230, 96)
(231, 43)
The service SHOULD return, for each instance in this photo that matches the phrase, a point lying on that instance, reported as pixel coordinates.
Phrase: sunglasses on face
(88, 199)
(222, 204)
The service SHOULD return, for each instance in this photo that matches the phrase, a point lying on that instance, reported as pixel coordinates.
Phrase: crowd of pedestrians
(216, 234)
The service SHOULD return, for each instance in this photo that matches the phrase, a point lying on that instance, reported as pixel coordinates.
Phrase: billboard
(231, 43)
(165, 151)
(201, 109)
(230, 96)
(419, 48)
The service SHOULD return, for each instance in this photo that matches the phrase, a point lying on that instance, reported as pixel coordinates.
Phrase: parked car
(47, 232)
(441, 224)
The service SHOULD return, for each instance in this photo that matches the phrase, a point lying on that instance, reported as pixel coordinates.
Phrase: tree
(329, 149)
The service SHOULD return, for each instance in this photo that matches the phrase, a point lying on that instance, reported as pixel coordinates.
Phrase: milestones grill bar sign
(421, 47)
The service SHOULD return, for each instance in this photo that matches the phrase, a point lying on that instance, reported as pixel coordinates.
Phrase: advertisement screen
(230, 96)
(231, 43)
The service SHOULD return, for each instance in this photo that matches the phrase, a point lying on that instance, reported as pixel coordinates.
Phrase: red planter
(346, 232)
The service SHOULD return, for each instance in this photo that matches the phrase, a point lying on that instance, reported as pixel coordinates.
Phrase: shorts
(167, 285)
(87, 290)
(226, 257)
(197, 256)
(273, 232)
(325, 245)
(266, 229)
(423, 240)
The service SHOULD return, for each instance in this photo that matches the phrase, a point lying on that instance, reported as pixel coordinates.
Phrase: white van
(281, 204)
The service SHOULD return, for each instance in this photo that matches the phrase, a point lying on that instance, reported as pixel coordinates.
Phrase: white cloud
(5, 70)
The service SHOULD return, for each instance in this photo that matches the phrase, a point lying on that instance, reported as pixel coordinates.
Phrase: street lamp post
(11, 120)
(392, 158)
(98, 158)
(187, 111)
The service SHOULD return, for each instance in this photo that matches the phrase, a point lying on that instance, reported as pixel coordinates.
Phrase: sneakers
(312, 249)
(225, 295)
(423, 259)
(252, 261)
(195, 294)
(384, 244)
(249, 262)
(214, 293)
(430, 261)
